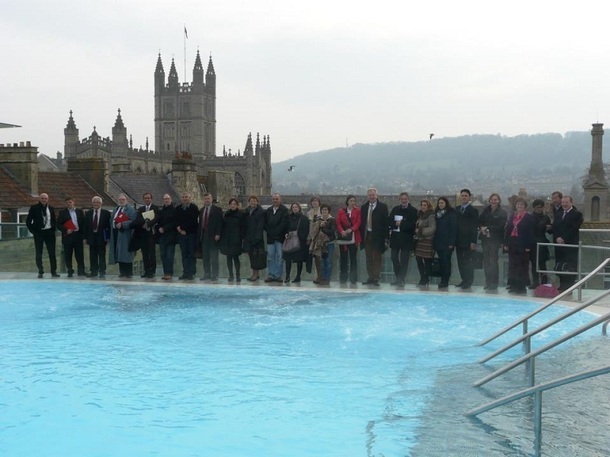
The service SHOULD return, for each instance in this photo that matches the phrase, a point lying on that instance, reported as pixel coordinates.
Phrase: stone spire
(118, 123)
(70, 138)
(173, 76)
(248, 150)
(198, 70)
(159, 76)
(71, 124)
(210, 75)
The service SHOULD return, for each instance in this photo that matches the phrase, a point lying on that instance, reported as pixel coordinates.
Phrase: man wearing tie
(145, 236)
(466, 244)
(97, 234)
(71, 223)
(41, 224)
(185, 220)
(374, 231)
(566, 230)
(210, 228)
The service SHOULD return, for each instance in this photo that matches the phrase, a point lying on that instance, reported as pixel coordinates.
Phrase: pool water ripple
(98, 370)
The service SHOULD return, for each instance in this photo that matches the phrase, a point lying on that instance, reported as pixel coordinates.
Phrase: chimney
(21, 160)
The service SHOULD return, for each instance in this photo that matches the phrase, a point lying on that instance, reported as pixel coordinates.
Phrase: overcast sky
(313, 75)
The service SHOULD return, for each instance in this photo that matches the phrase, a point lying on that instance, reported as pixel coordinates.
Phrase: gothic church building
(185, 131)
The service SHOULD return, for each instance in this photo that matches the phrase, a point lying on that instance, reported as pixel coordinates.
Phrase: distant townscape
(539, 164)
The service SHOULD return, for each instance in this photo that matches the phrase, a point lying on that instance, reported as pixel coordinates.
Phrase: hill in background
(540, 163)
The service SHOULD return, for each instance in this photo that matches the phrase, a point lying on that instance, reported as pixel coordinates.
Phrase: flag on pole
(186, 34)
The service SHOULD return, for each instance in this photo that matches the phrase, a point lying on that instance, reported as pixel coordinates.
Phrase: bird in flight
(431, 135)
(291, 167)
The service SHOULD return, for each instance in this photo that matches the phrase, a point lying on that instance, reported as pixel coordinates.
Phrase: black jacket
(35, 219)
(233, 232)
(568, 227)
(255, 227)
(187, 218)
(495, 221)
(467, 226)
(379, 227)
(404, 238)
(102, 235)
(445, 235)
(64, 216)
(166, 221)
(276, 225)
(214, 225)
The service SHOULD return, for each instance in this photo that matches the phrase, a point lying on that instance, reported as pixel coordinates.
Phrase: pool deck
(600, 308)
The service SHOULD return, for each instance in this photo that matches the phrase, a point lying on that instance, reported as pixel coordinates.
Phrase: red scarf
(517, 217)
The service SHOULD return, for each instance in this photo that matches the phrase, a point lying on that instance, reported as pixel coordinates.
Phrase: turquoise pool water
(109, 370)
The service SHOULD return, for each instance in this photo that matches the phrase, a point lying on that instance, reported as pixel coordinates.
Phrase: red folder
(121, 217)
(69, 225)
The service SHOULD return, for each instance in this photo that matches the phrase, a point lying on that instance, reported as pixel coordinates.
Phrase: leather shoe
(54, 275)
(40, 275)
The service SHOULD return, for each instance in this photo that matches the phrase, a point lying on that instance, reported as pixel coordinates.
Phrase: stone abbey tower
(185, 114)
(185, 131)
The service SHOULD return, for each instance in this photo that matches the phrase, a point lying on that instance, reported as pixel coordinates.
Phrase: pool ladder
(529, 359)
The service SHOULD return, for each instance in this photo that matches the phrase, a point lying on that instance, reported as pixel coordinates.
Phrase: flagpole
(184, 38)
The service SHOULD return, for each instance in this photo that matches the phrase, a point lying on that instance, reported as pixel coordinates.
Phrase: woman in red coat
(348, 239)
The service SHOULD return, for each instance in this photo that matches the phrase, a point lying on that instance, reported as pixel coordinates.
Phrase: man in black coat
(374, 231)
(566, 230)
(402, 228)
(144, 235)
(276, 226)
(71, 224)
(210, 229)
(466, 244)
(42, 225)
(185, 218)
(166, 228)
(97, 234)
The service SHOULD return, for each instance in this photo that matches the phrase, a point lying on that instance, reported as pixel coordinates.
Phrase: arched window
(240, 185)
(595, 208)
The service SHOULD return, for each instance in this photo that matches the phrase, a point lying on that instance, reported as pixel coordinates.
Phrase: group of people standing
(432, 233)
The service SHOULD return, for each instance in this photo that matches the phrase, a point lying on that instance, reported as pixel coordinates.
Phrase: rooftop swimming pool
(90, 369)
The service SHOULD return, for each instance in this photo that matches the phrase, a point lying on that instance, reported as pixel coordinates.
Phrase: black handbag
(347, 239)
(435, 268)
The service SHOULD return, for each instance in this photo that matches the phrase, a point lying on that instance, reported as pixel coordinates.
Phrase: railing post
(537, 423)
(579, 268)
(531, 371)
(527, 347)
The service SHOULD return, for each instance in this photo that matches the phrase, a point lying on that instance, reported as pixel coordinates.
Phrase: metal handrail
(526, 336)
(524, 319)
(536, 391)
(532, 355)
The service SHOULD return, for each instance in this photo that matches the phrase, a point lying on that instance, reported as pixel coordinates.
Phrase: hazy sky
(313, 75)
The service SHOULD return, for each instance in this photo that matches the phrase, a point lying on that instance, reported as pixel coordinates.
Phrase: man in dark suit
(566, 230)
(97, 234)
(210, 229)
(556, 203)
(144, 235)
(42, 225)
(185, 219)
(402, 228)
(374, 231)
(166, 227)
(467, 229)
(276, 228)
(71, 224)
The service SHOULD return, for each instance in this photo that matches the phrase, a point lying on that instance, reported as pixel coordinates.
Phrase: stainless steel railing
(530, 356)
